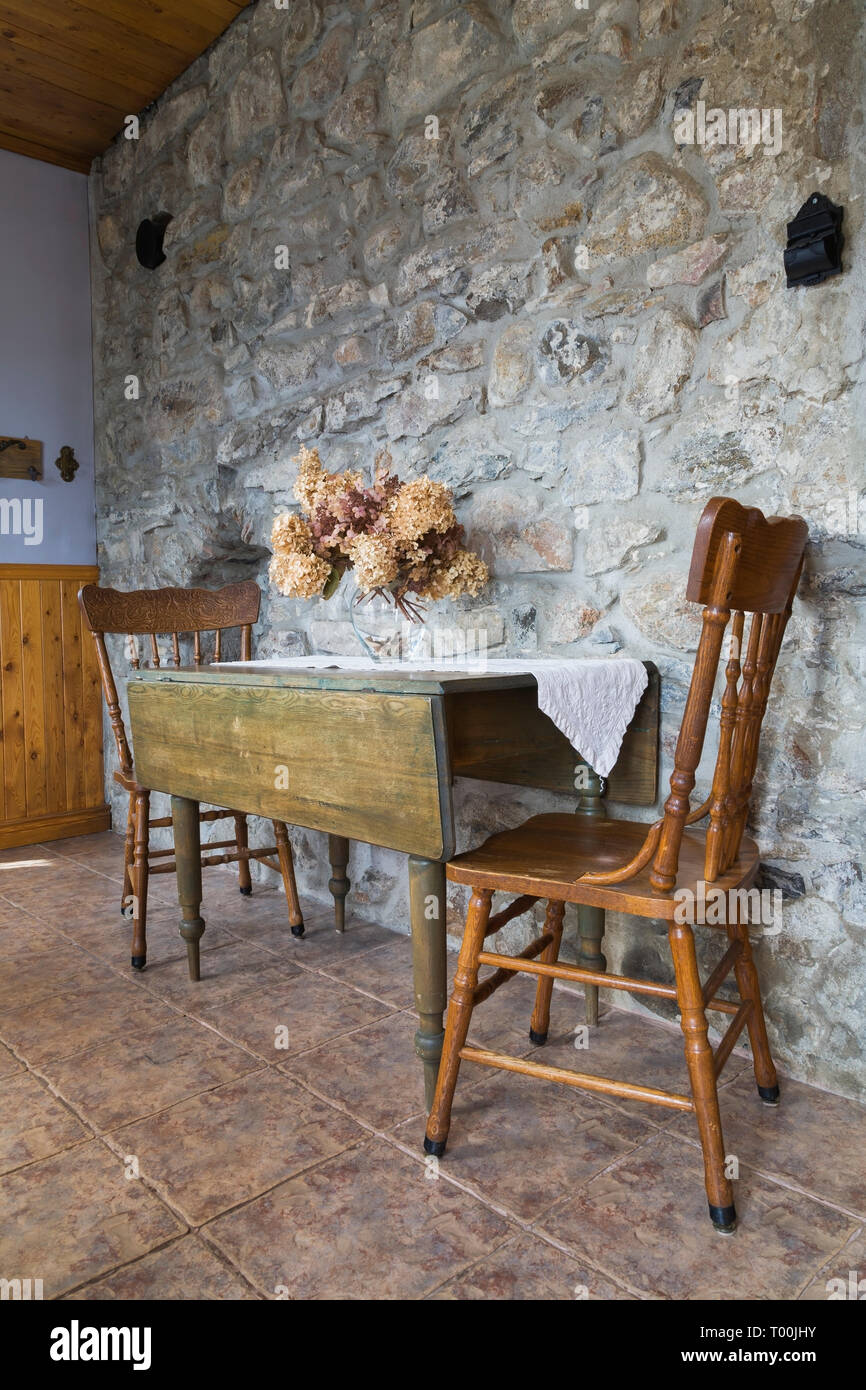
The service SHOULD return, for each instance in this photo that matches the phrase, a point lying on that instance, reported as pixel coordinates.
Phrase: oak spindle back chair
(177, 614)
(742, 563)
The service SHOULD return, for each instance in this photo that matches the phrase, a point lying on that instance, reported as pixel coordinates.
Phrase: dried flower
(420, 505)
(314, 487)
(291, 532)
(466, 573)
(298, 576)
(375, 561)
(400, 538)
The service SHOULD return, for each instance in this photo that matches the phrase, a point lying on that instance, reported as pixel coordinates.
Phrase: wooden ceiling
(70, 70)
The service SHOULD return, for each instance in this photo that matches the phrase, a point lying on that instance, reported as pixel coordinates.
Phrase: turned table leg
(187, 854)
(427, 904)
(590, 920)
(338, 853)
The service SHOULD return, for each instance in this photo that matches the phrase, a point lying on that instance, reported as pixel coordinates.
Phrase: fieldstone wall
(479, 234)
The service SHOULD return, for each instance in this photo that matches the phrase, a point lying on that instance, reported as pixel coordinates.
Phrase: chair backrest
(174, 613)
(743, 562)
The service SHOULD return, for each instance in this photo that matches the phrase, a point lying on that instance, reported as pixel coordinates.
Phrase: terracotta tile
(23, 936)
(33, 1123)
(108, 935)
(626, 1047)
(644, 1221)
(264, 914)
(68, 890)
(32, 871)
(231, 970)
(321, 945)
(103, 852)
(68, 971)
(312, 1008)
(523, 1143)
(245, 915)
(149, 1070)
(26, 853)
(385, 971)
(221, 885)
(527, 1269)
(224, 1147)
(790, 1140)
(502, 1021)
(368, 1223)
(44, 1031)
(843, 1278)
(373, 1072)
(75, 1216)
(187, 1270)
(12, 916)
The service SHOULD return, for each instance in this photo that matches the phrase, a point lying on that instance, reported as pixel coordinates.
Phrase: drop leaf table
(368, 756)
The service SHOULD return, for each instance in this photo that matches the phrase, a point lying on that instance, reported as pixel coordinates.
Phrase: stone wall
(470, 233)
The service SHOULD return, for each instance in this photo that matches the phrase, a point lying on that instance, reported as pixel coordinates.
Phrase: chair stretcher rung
(491, 985)
(733, 1031)
(581, 1080)
(723, 969)
(594, 977)
(514, 909)
(577, 973)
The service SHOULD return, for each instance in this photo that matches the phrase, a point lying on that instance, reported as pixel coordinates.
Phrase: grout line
(849, 1240)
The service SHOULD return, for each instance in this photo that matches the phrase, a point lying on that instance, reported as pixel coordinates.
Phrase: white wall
(46, 382)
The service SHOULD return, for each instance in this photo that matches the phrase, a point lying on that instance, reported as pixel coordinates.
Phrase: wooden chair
(742, 563)
(178, 613)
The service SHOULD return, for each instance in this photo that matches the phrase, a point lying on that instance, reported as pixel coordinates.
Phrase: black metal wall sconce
(815, 241)
(149, 239)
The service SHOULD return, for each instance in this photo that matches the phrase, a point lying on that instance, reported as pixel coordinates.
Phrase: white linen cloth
(591, 700)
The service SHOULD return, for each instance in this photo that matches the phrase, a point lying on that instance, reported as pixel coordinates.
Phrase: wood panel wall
(51, 772)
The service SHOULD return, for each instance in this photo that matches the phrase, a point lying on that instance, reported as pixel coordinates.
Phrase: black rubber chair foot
(538, 1038)
(436, 1147)
(298, 929)
(245, 892)
(139, 962)
(724, 1218)
(769, 1094)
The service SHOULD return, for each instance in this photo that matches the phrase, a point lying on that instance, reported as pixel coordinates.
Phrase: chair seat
(547, 853)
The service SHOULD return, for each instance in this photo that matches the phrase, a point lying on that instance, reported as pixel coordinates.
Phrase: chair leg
(747, 983)
(139, 878)
(590, 928)
(245, 884)
(287, 866)
(457, 1024)
(699, 1057)
(540, 1025)
(128, 856)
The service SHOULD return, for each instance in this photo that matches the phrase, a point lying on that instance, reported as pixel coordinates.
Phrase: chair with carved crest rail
(177, 614)
(742, 563)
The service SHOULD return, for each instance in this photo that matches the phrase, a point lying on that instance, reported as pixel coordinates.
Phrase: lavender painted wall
(46, 381)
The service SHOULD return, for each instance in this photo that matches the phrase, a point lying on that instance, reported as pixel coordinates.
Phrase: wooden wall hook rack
(20, 458)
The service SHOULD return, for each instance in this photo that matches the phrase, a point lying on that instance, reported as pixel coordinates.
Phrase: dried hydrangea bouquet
(401, 541)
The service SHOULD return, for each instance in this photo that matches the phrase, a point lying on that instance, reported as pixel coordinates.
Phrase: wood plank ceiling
(70, 70)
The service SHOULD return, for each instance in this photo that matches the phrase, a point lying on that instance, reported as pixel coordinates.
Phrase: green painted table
(368, 756)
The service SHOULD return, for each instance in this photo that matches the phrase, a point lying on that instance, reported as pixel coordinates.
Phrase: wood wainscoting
(51, 773)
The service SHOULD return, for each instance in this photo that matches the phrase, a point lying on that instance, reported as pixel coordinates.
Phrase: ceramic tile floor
(156, 1143)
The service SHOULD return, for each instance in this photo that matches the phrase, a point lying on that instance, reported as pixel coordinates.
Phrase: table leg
(187, 854)
(427, 902)
(338, 853)
(590, 920)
